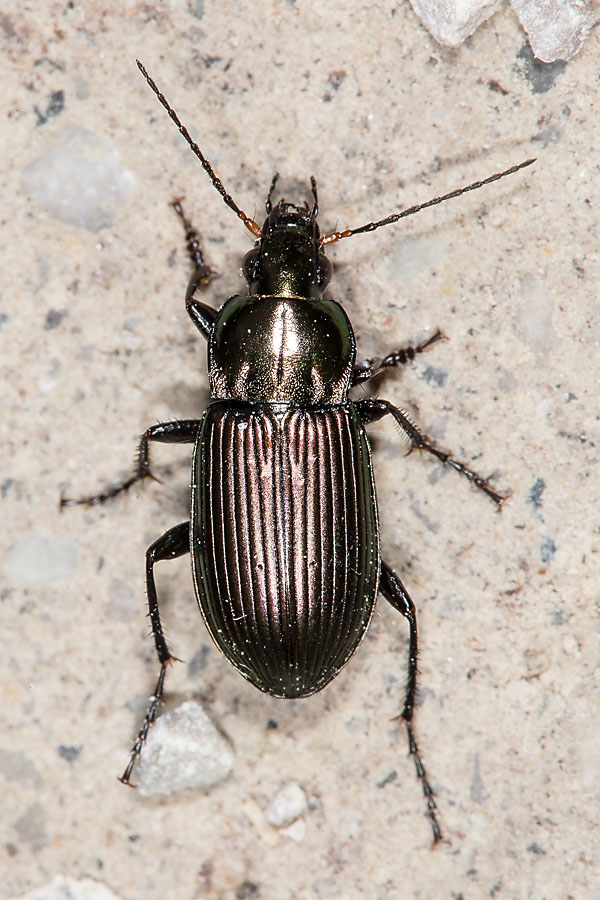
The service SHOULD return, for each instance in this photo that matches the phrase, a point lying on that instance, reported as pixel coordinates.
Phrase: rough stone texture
(556, 28)
(184, 750)
(452, 21)
(286, 806)
(96, 346)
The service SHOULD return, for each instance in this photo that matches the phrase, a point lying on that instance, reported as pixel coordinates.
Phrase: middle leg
(183, 431)
(373, 410)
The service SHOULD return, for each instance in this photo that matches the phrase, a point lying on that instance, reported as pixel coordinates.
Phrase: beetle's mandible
(283, 531)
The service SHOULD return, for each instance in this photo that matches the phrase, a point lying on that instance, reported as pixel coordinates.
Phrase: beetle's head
(287, 260)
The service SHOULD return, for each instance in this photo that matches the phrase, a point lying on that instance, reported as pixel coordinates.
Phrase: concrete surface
(96, 346)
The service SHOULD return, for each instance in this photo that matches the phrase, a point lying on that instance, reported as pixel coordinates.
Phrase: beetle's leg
(201, 314)
(372, 367)
(373, 410)
(181, 432)
(173, 543)
(395, 593)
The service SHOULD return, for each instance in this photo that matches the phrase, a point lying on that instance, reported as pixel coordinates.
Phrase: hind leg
(396, 594)
(172, 544)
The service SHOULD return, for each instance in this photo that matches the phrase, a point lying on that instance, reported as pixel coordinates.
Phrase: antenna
(313, 185)
(250, 224)
(334, 236)
(268, 204)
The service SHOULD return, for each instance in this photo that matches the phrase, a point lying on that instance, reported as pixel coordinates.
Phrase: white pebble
(184, 750)
(287, 806)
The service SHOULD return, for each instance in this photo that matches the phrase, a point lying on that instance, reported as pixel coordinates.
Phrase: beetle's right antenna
(250, 224)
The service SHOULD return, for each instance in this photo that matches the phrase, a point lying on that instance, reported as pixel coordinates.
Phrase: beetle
(283, 532)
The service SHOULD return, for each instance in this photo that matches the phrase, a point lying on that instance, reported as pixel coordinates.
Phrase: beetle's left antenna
(250, 224)
(389, 220)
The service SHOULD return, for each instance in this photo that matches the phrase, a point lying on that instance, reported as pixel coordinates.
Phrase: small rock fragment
(556, 28)
(184, 750)
(296, 831)
(287, 806)
(452, 21)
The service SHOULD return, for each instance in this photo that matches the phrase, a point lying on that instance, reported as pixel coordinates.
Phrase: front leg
(373, 367)
(202, 315)
(373, 410)
(183, 432)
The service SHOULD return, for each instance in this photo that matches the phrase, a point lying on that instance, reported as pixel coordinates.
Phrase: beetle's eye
(324, 270)
(250, 263)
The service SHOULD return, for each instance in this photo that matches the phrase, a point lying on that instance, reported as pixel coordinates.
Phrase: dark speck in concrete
(388, 779)
(53, 318)
(272, 724)
(497, 87)
(335, 79)
(535, 848)
(7, 29)
(56, 104)
(196, 8)
(205, 876)
(541, 76)
(70, 753)
(210, 61)
(435, 376)
(547, 549)
(50, 64)
(198, 660)
(545, 136)
(247, 890)
(559, 617)
(535, 494)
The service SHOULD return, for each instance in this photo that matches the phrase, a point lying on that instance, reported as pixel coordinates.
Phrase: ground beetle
(283, 531)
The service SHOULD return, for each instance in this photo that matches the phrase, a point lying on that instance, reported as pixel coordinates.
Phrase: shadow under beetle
(283, 531)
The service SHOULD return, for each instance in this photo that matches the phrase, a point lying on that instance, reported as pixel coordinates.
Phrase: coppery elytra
(283, 531)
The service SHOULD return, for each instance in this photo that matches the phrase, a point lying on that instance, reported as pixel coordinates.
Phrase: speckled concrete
(96, 346)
